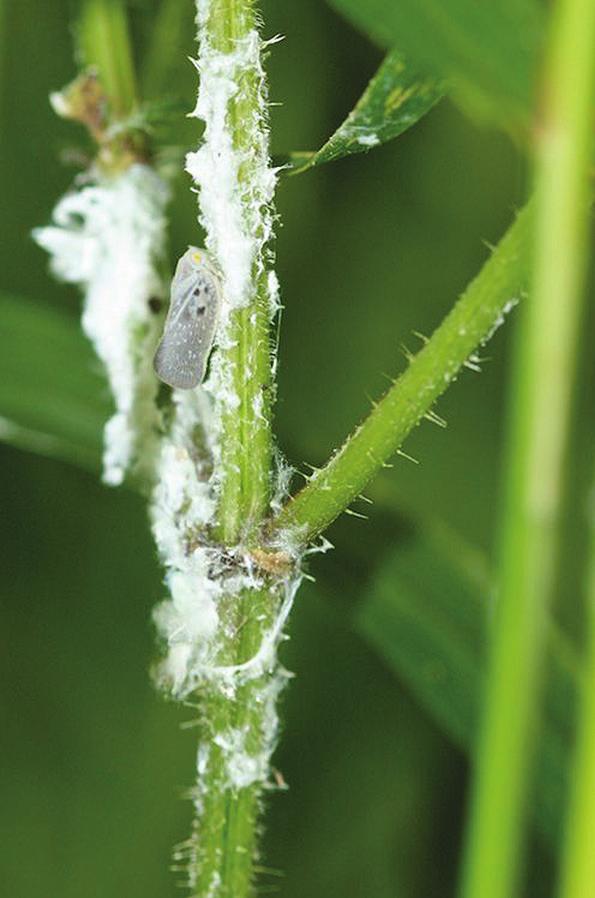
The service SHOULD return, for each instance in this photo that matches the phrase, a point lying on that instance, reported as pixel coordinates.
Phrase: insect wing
(181, 357)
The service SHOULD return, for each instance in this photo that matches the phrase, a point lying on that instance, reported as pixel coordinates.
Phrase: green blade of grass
(487, 51)
(53, 399)
(545, 365)
(428, 615)
(395, 99)
(578, 868)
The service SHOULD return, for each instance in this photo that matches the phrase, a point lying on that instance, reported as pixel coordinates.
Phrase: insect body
(182, 355)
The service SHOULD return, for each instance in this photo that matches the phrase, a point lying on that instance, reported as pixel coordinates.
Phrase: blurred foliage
(487, 51)
(370, 250)
(42, 347)
(428, 613)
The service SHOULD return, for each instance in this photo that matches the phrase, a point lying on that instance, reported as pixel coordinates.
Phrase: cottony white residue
(182, 508)
(368, 140)
(199, 572)
(473, 363)
(274, 291)
(199, 576)
(235, 185)
(506, 309)
(109, 237)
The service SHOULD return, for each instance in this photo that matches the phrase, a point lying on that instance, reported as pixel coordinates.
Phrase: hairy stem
(238, 697)
(499, 285)
(246, 443)
(542, 385)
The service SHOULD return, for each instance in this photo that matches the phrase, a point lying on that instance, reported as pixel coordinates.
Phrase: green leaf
(53, 399)
(487, 51)
(395, 99)
(427, 614)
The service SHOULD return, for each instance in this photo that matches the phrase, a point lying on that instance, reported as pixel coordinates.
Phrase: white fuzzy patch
(235, 187)
(368, 140)
(109, 238)
(234, 206)
(199, 574)
(506, 310)
(182, 508)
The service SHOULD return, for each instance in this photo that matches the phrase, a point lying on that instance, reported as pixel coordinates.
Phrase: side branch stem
(499, 285)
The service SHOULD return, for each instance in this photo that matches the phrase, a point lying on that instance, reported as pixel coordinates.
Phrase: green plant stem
(545, 366)
(226, 826)
(227, 818)
(105, 43)
(578, 870)
(246, 443)
(502, 280)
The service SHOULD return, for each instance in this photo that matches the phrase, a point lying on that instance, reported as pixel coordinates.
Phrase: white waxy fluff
(182, 507)
(235, 187)
(109, 237)
(234, 211)
(199, 576)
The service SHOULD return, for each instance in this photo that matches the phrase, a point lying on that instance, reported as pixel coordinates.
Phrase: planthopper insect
(182, 355)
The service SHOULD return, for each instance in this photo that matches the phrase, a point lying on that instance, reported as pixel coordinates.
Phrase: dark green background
(94, 764)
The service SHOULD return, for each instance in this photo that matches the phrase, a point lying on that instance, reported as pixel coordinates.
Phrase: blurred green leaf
(53, 399)
(395, 99)
(427, 614)
(172, 32)
(378, 764)
(487, 51)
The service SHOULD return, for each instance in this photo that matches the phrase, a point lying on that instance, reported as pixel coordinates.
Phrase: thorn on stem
(356, 514)
(435, 418)
(408, 457)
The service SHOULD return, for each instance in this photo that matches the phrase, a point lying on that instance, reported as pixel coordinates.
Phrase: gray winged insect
(182, 355)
